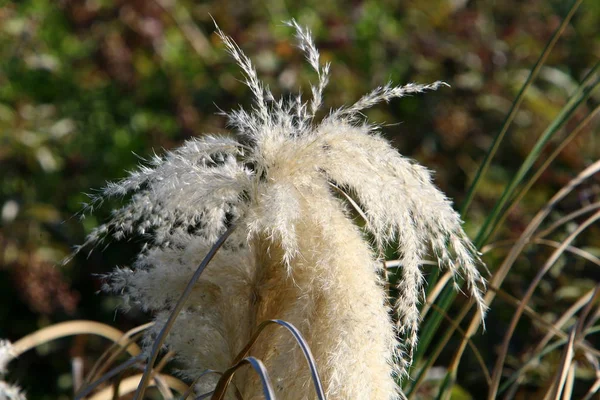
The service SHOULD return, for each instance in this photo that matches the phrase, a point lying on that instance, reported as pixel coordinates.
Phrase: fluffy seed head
(296, 255)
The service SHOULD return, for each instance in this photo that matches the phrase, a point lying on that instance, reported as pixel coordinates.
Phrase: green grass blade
(515, 106)
(581, 94)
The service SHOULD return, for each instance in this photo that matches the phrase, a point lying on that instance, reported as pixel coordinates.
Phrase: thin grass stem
(515, 106)
(162, 336)
(516, 316)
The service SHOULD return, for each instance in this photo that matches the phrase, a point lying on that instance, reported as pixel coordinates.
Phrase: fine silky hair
(292, 185)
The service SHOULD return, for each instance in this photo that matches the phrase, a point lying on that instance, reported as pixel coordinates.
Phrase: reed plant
(267, 248)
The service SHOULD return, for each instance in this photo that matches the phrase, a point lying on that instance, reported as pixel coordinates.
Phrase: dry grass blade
(130, 384)
(180, 303)
(581, 325)
(585, 299)
(516, 316)
(89, 388)
(561, 375)
(570, 382)
(476, 352)
(420, 378)
(594, 389)
(114, 351)
(502, 271)
(569, 217)
(554, 329)
(550, 243)
(301, 342)
(522, 242)
(258, 367)
(352, 202)
(548, 160)
(435, 292)
(71, 328)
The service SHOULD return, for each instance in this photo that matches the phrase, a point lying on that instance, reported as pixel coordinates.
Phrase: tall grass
(564, 350)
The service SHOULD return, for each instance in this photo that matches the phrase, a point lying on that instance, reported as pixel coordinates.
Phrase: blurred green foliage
(87, 88)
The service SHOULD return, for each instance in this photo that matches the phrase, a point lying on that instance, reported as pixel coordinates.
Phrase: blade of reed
(534, 359)
(71, 328)
(556, 390)
(258, 366)
(570, 382)
(130, 384)
(517, 315)
(162, 336)
(525, 188)
(594, 389)
(550, 243)
(114, 351)
(89, 388)
(554, 329)
(584, 90)
(301, 342)
(502, 271)
(448, 296)
(515, 106)
(429, 361)
(568, 218)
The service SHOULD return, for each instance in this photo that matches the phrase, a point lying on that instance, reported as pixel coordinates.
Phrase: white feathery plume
(296, 254)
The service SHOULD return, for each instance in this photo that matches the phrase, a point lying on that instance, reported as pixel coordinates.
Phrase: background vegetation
(87, 88)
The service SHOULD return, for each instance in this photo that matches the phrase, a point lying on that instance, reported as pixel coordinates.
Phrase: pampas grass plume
(296, 254)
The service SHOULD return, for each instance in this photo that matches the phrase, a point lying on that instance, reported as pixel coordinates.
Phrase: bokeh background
(90, 88)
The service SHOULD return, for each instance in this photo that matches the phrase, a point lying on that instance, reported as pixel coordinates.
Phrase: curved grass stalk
(502, 271)
(174, 313)
(516, 316)
(571, 249)
(478, 356)
(89, 388)
(434, 293)
(114, 351)
(555, 391)
(583, 300)
(422, 373)
(539, 355)
(301, 342)
(568, 218)
(447, 297)
(594, 389)
(130, 384)
(71, 328)
(552, 243)
(420, 378)
(258, 366)
(127, 364)
(552, 328)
